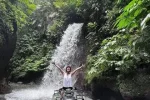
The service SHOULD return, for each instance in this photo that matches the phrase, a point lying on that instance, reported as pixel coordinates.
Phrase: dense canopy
(116, 34)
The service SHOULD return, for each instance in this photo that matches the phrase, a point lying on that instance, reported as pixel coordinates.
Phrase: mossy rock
(136, 86)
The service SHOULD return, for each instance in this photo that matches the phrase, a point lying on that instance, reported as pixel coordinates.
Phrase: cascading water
(69, 52)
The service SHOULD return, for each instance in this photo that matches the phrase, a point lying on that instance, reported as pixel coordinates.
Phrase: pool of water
(30, 92)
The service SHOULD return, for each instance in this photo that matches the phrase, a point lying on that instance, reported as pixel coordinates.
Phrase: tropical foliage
(118, 56)
(124, 55)
(36, 41)
(117, 35)
(16, 10)
(132, 14)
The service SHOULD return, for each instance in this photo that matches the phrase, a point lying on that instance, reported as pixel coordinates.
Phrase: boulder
(8, 39)
(105, 89)
(137, 87)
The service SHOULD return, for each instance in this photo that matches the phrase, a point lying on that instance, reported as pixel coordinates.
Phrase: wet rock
(137, 87)
(101, 89)
(147, 95)
(4, 89)
(103, 93)
(7, 46)
(20, 82)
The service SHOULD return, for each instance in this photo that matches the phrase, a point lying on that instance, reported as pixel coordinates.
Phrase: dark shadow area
(103, 93)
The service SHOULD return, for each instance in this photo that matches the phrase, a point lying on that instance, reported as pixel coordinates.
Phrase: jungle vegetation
(117, 32)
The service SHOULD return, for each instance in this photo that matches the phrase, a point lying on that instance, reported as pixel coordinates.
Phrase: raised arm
(72, 73)
(58, 68)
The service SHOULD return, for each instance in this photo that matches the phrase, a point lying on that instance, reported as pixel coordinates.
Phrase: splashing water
(69, 52)
(35, 93)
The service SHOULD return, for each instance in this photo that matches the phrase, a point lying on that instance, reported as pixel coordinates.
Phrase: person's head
(68, 69)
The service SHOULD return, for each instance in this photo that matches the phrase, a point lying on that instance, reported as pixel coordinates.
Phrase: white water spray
(69, 52)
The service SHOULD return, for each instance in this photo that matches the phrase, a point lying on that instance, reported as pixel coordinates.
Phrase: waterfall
(70, 51)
